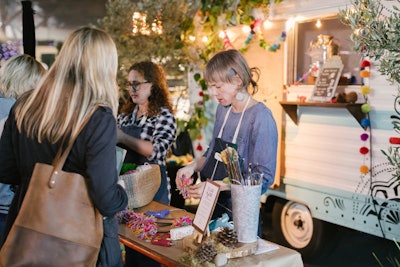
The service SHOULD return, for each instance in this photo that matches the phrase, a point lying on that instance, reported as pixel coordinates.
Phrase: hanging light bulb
(140, 25)
(246, 29)
(267, 24)
(318, 24)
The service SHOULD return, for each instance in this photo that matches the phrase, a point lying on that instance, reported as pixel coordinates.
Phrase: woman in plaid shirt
(147, 126)
(147, 129)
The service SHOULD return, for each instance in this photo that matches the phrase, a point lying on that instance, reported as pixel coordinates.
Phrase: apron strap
(142, 121)
(238, 126)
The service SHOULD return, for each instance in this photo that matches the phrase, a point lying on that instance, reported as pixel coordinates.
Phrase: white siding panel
(324, 154)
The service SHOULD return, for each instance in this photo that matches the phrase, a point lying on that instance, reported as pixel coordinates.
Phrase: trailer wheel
(294, 227)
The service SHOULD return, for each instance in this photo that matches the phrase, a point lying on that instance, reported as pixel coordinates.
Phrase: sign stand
(205, 209)
(328, 79)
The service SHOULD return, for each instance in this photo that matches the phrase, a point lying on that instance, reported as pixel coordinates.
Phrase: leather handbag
(57, 224)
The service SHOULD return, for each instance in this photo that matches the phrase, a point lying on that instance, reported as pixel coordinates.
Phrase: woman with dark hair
(147, 128)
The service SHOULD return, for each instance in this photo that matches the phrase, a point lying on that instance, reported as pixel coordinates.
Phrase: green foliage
(217, 15)
(168, 48)
(173, 48)
(393, 156)
(392, 261)
(376, 34)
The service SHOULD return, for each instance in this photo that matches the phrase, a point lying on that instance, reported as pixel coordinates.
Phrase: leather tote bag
(58, 224)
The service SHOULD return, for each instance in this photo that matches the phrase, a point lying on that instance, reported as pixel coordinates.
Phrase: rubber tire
(315, 240)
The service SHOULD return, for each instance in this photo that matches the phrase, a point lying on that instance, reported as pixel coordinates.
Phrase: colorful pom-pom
(365, 63)
(365, 90)
(364, 137)
(364, 150)
(365, 122)
(199, 147)
(365, 108)
(394, 140)
(365, 73)
(364, 169)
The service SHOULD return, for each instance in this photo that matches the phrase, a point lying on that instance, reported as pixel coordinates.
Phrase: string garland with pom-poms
(365, 108)
(255, 29)
(305, 75)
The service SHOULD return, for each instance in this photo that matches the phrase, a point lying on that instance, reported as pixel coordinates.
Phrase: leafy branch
(376, 34)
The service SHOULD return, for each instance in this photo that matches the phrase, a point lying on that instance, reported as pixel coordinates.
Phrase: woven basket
(142, 185)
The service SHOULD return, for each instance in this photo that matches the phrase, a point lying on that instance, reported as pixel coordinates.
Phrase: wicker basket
(142, 185)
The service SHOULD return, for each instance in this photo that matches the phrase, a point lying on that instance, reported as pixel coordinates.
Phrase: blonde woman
(18, 75)
(78, 90)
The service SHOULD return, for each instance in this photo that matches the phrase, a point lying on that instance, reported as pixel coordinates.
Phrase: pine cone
(227, 237)
(206, 252)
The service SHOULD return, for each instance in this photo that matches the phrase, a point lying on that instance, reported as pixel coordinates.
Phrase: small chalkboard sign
(328, 79)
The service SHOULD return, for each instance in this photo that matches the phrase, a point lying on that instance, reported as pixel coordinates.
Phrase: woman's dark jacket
(93, 156)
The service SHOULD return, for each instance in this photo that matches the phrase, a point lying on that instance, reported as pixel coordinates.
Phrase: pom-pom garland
(365, 63)
(365, 108)
(255, 29)
(364, 169)
(365, 122)
(364, 150)
(365, 73)
(364, 137)
(365, 90)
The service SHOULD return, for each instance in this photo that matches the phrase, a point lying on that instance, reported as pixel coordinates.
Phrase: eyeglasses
(134, 85)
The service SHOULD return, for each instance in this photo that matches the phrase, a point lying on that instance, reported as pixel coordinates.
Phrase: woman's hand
(196, 190)
(184, 173)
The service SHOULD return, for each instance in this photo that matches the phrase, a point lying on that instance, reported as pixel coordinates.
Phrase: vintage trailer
(323, 147)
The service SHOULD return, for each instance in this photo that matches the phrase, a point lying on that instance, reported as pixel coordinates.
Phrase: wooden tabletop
(170, 256)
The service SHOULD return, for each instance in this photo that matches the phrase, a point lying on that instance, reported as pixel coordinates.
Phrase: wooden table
(169, 256)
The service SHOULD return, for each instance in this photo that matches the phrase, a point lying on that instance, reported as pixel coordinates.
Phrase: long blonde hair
(20, 74)
(82, 78)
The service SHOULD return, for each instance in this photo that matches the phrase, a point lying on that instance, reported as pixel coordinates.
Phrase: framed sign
(328, 79)
(206, 206)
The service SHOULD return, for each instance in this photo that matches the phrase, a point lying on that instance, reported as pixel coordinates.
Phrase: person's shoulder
(261, 107)
(166, 112)
(102, 113)
(260, 112)
(5, 106)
